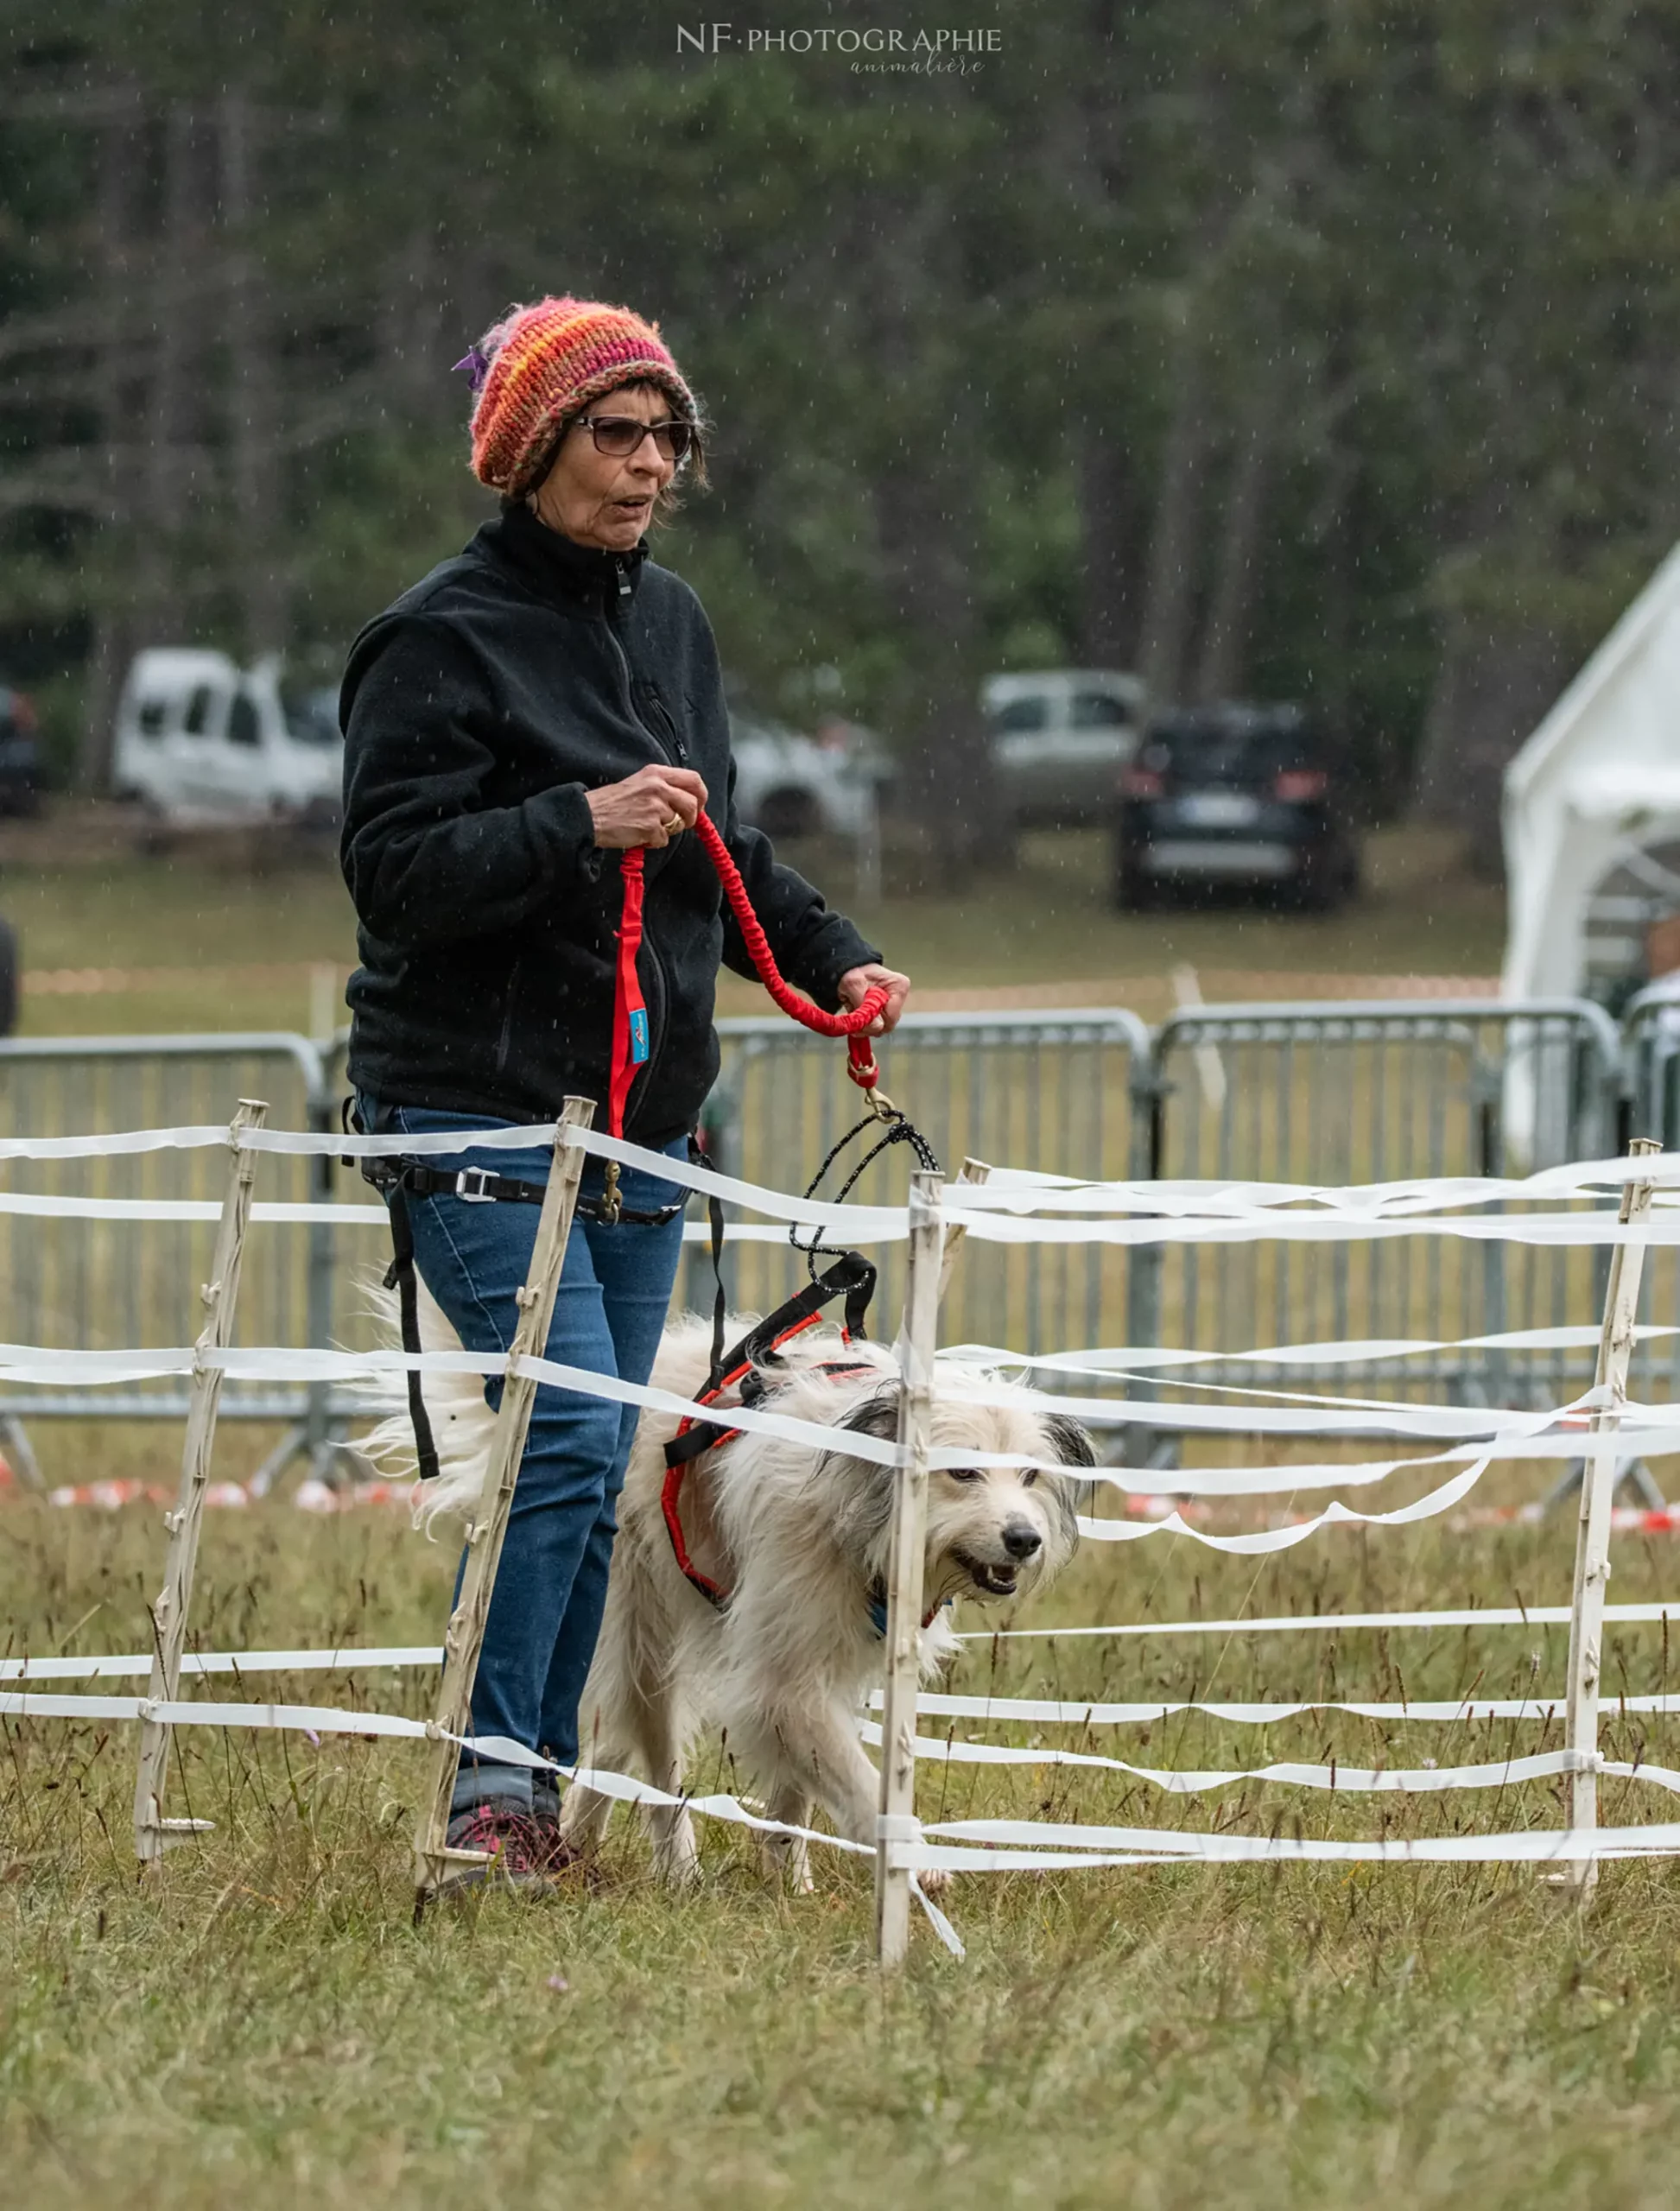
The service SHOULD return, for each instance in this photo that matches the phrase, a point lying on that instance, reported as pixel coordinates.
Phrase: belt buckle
(480, 1195)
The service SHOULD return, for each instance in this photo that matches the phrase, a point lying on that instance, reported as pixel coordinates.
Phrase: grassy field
(1046, 923)
(260, 2022)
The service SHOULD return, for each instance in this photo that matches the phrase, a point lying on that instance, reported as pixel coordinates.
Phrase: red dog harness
(852, 1278)
(693, 1438)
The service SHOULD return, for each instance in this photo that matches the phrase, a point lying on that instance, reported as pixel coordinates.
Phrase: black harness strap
(402, 1277)
(719, 1303)
(852, 1278)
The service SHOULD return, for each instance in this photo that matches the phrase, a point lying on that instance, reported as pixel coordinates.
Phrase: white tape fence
(1565, 1206)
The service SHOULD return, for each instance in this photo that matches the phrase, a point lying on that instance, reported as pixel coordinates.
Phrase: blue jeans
(615, 1289)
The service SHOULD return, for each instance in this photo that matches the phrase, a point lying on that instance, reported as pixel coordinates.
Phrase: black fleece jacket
(477, 712)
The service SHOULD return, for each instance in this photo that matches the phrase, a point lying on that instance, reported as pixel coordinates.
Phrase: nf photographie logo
(950, 52)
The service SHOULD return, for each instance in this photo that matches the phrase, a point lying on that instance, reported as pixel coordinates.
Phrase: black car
(20, 755)
(1250, 797)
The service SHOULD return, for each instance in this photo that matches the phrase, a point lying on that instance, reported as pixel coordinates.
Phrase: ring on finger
(673, 825)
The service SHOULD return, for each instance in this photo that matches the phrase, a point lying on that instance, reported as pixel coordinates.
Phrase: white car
(793, 786)
(204, 741)
(1059, 738)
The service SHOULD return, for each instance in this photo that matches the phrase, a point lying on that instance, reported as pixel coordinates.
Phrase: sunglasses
(620, 435)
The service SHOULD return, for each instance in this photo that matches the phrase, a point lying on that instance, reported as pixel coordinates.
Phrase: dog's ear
(1068, 1442)
(862, 1513)
(878, 1415)
(1072, 1444)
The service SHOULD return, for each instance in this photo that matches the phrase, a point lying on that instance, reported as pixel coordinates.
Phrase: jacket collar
(556, 567)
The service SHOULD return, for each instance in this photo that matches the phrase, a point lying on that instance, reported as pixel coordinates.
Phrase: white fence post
(464, 1637)
(152, 1832)
(918, 1339)
(1598, 1489)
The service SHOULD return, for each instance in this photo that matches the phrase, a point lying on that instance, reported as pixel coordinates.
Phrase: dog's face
(998, 1531)
(993, 1532)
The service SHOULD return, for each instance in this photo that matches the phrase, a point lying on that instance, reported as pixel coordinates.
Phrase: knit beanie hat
(541, 363)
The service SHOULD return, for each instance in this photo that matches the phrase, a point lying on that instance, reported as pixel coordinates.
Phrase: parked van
(203, 740)
(1058, 739)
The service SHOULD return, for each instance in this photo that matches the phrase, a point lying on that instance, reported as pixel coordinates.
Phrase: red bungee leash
(631, 1041)
(853, 1026)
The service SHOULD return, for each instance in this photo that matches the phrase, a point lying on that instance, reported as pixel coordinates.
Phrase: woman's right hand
(649, 808)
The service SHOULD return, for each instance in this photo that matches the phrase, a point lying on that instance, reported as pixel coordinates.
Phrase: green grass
(1047, 921)
(260, 2021)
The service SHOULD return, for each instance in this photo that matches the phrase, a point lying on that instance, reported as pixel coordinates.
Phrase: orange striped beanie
(541, 363)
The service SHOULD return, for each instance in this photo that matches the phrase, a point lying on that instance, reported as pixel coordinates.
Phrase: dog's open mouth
(990, 1580)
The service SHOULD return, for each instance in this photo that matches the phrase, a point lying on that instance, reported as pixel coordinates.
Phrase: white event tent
(1593, 789)
(1599, 778)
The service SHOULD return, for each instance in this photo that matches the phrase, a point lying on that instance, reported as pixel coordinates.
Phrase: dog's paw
(786, 1866)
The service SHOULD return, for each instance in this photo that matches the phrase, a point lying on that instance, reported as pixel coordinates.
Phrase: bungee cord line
(137, 1665)
(1062, 1712)
(1497, 1773)
(864, 1226)
(970, 1846)
(1331, 1777)
(1494, 1430)
(930, 1704)
(1648, 1614)
(347, 1659)
(1163, 1847)
(1212, 1211)
(1008, 1188)
(1516, 1438)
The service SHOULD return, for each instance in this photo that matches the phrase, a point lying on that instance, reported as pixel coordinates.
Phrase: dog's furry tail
(462, 1422)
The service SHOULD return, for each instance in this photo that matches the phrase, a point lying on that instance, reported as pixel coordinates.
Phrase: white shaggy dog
(799, 1538)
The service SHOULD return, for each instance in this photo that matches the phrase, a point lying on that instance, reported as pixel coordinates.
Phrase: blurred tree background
(1320, 349)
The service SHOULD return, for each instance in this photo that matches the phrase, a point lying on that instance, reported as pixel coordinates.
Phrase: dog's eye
(965, 1473)
(1029, 1476)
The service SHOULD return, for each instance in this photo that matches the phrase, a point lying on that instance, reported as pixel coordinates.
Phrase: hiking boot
(519, 1846)
(563, 1860)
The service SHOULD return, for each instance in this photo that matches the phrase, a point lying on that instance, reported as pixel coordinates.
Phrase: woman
(549, 698)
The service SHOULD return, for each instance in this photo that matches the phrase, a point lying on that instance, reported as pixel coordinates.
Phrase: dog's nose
(1021, 1538)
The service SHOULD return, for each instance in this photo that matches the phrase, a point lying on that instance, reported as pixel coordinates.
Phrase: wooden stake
(463, 1638)
(974, 1170)
(918, 1339)
(1598, 1487)
(153, 1834)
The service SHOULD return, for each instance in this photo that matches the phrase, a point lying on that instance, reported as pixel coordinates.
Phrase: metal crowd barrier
(1313, 1093)
(110, 1284)
(1378, 1092)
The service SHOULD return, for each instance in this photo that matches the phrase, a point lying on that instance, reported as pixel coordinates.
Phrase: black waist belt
(478, 1187)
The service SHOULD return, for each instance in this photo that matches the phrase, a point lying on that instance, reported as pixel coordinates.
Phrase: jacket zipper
(504, 1043)
(677, 753)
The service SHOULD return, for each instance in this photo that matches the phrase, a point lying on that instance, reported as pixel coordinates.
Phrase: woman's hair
(692, 473)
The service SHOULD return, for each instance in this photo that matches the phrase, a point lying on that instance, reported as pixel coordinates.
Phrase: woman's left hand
(857, 982)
